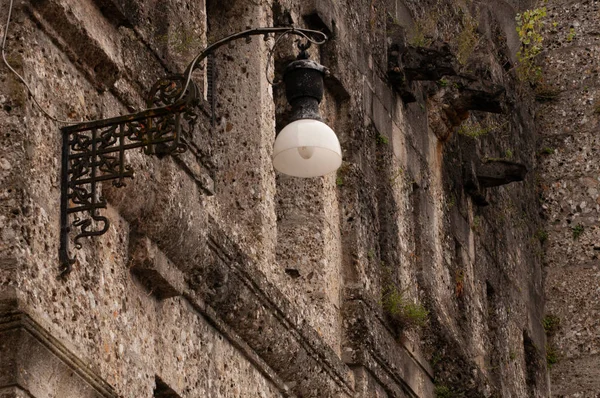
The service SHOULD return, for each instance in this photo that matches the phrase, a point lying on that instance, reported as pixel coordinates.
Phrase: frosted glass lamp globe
(307, 148)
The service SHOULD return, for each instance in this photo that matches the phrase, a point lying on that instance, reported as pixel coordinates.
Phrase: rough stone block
(34, 361)
(370, 344)
(262, 316)
(323, 15)
(86, 37)
(154, 269)
(429, 63)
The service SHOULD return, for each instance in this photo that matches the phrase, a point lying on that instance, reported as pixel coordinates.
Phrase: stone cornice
(27, 347)
(368, 342)
(264, 318)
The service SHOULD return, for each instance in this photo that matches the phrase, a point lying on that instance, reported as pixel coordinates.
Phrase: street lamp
(94, 151)
(306, 147)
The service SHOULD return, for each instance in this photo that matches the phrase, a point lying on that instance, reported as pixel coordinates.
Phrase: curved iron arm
(94, 151)
(305, 33)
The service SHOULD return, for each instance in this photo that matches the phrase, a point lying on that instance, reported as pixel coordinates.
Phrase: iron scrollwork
(94, 152)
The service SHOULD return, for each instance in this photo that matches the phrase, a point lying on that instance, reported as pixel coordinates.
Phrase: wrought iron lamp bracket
(94, 152)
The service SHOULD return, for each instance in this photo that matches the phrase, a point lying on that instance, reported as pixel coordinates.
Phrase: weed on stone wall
(443, 392)
(551, 324)
(577, 231)
(552, 356)
(545, 93)
(402, 313)
(382, 140)
(541, 235)
(466, 39)
(475, 129)
(529, 29)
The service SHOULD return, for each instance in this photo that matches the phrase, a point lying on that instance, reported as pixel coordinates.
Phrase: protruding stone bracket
(322, 16)
(154, 270)
(491, 173)
(471, 94)
(456, 96)
(397, 46)
(496, 172)
(408, 63)
(429, 63)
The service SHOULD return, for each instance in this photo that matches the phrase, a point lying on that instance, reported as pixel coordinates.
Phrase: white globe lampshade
(307, 148)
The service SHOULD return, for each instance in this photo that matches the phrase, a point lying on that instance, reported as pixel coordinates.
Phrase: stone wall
(568, 119)
(220, 278)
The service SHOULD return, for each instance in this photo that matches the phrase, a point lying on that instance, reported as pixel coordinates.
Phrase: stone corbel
(407, 64)
(488, 173)
(429, 63)
(468, 94)
(456, 96)
(36, 364)
(370, 344)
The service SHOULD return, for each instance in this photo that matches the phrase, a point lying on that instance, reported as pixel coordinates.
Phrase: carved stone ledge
(496, 172)
(164, 280)
(252, 314)
(259, 313)
(429, 63)
(154, 269)
(489, 173)
(30, 357)
(370, 344)
(455, 96)
(87, 46)
(465, 94)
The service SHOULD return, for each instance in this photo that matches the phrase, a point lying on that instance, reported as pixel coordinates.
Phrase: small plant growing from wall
(577, 231)
(382, 140)
(443, 82)
(403, 313)
(467, 39)
(541, 235)
(529, 29)
(473, 129)
(552, 356)
(476, 224)
(551, 324)
(442, 391)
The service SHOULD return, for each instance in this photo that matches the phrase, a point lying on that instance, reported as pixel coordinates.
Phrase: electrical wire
(285, 31)
(10, 8)
(270, 57)
(247, 33)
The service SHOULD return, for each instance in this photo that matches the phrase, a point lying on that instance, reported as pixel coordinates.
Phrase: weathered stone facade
(568, 121)
(219, 278)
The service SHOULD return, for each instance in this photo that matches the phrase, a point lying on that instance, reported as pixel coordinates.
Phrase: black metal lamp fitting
(94, 152)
